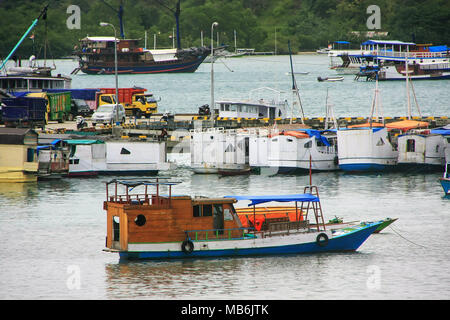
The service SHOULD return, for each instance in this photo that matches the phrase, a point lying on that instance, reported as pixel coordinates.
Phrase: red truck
(136, 102)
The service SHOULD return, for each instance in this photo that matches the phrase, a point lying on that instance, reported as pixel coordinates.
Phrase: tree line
(265, 25)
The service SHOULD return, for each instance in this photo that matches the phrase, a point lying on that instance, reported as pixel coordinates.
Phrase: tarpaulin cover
(445, 131)
(307, 197)
(405, 125)
(438, 48)
(317, 135)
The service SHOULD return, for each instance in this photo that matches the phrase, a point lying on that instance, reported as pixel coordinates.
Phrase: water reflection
(273, 277)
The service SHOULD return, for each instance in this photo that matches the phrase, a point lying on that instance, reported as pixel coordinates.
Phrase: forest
(265, 25)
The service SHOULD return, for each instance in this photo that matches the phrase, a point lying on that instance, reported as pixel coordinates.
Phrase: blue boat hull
(445, 185)
(366, 167)
(345, 242)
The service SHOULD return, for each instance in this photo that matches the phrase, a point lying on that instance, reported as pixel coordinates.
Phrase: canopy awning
(366, 125)
(78, 141)
(406, 125)
(303, 197)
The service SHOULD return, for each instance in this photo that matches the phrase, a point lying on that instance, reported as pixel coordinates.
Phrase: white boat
(365, 149)
(424, 61)
(116, 157)
(262, 102)
(421, 150)
(220, 151)
(299, 151)
(204, 150)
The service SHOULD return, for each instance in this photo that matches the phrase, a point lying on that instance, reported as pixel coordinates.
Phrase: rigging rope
(419, 245)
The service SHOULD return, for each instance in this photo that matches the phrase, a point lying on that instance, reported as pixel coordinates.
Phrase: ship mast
(120, 15)
(176, 12)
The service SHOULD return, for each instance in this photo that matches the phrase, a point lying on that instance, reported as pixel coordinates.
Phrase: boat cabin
(258, 105)
(141, 224)
(18, 160)
(139, 217)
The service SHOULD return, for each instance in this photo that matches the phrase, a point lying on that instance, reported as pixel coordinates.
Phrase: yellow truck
(136, 101)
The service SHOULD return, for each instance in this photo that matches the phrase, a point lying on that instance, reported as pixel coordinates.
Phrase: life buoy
(322, 239)
(187, 246)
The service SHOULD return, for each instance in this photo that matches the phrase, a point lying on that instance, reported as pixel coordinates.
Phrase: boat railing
(145, 198)
(219, 234)
(420, 54)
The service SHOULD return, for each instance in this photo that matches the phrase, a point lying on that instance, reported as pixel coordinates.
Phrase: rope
(419, 245)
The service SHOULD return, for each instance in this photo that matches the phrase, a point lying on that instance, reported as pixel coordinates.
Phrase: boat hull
(445, 183)
(303, 243)
(366, 167)
(169, 67)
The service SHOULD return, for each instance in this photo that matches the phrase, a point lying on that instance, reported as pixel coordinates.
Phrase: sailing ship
(97, 55)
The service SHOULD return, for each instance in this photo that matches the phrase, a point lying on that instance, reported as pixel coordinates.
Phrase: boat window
(319, 143)
(290, 140)
(380, 142)
(207, 210)
(410, 145)
(437, 149)
(30, 155)
(308, 144)
(140, 220)
(124, 151)
(197, 211)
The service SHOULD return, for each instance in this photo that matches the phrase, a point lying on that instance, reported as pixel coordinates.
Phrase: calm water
(53, 232)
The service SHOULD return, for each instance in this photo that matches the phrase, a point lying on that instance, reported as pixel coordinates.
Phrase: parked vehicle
(59, 104)
(136, 102)
(24, 112)
(106, 114)
(79, 107)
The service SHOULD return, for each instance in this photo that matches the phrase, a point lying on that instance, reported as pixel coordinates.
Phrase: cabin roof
(302, 197)
(394, 42)
(15, 135)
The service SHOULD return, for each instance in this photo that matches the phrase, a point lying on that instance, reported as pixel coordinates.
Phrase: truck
(26, 112)
(59, 104)
(136, 101)
(83, 97)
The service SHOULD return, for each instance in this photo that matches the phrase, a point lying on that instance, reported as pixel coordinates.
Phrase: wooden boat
(97, 55)
(330, 79)
(143, 225)
(445, 179)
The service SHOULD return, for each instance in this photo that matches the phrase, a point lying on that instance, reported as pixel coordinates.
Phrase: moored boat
(445, 179)
(142, 225)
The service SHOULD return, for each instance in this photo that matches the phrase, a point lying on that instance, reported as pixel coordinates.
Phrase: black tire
(187, 246)
(322, 240)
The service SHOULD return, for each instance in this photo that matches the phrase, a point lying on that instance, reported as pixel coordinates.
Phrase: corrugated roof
(15, 135)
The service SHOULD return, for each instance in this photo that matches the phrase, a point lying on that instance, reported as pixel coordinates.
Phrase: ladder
(316, 207)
